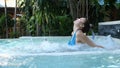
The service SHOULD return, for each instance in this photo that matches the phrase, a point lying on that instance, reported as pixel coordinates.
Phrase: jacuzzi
(54, 52)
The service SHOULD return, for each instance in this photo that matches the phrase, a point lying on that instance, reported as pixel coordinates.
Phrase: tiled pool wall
(109, 28)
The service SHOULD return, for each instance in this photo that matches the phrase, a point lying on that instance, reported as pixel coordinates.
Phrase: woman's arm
(83, 38)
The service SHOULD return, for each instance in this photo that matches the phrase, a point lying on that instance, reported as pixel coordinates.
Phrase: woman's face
(81, 26)
(82, 22)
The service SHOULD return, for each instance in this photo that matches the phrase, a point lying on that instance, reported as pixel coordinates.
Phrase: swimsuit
(72, 42)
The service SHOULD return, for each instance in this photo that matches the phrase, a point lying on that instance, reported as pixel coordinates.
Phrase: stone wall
(109, 28)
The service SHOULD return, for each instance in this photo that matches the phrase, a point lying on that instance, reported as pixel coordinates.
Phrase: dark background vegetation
(55, 17)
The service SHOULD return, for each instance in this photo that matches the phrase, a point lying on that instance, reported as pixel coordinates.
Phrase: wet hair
(87, 26)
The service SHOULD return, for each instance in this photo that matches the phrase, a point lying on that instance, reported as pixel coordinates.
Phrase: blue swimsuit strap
(73, 39)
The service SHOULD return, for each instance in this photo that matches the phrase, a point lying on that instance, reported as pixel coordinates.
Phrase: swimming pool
(53, 52)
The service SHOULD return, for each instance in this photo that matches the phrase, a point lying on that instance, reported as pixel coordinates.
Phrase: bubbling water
(46, 46)
(108, 43)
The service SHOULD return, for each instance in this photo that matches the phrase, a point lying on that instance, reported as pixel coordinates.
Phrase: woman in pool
(80, 36)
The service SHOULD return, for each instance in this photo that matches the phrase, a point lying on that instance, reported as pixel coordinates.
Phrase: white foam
(107, 42)
(44, 46)
(61, 53)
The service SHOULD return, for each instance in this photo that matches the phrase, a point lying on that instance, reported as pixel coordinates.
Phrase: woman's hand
(99, 46)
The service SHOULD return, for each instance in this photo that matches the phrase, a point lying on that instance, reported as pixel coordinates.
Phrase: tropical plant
(49, 17)
(41, 16)
(2, 20)
(3, 24)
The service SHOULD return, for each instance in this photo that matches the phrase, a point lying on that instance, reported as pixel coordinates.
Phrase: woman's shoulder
(79, 32)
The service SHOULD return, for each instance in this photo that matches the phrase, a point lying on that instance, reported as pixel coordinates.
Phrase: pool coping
(109, 22)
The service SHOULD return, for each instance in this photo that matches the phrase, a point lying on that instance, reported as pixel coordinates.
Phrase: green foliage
(44, 13)
(52, 17)
(106, 12)
(2, 24)
(2, 20)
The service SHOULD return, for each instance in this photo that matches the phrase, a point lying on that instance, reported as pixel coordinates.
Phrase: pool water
(54, 52)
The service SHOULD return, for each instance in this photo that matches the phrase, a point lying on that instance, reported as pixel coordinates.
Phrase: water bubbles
(112, 66)
(54, 44)
(110, 57)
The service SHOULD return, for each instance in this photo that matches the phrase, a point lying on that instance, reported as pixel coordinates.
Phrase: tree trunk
(82, 8)
(14, 30)
(37, 29)
(6, 19)
(78, 8)
(73, 8)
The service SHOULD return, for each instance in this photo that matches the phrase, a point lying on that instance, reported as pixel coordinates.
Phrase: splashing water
(108, 43)
(36, 53)
(39, 45)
